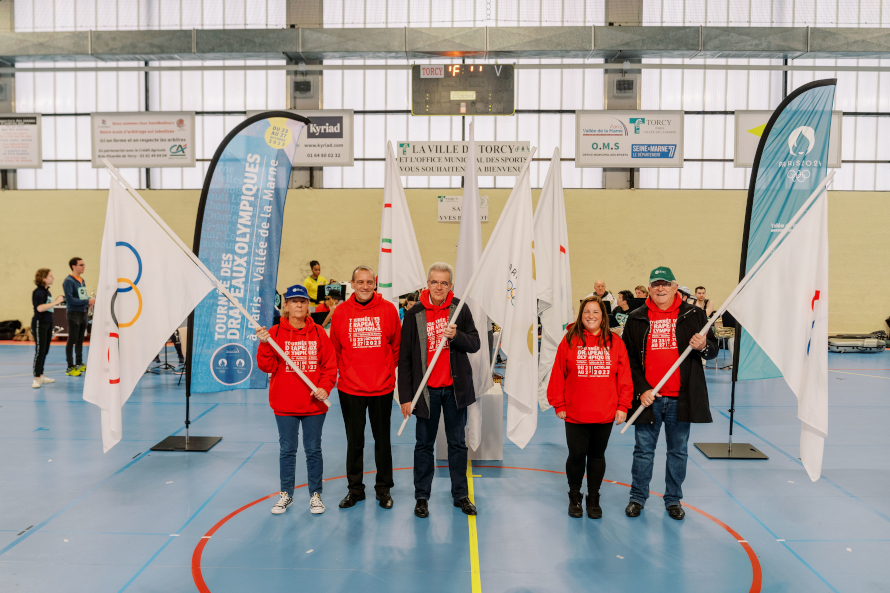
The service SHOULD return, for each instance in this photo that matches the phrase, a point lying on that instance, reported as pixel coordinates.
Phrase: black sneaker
(422, 509)
(351, 499)
(385, 500)
(465, 505)
(575, 509)
(633, 509)
(594, 511)
(676, 512)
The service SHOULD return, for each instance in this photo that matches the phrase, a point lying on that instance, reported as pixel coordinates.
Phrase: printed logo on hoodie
(304, 354)
(365, 332)
(593, 362)
(434, 334)
(663, 335)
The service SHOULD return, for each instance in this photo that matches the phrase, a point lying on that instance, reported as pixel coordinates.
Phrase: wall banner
(449, 208)
(327, 140)
(429, 159)
(238, 237)
(144, 139)
(20, 141)
(750, 125)
(628, 139)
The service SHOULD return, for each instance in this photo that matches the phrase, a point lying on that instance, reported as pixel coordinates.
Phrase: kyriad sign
(428, 159)
(628, 139)
(328, 139)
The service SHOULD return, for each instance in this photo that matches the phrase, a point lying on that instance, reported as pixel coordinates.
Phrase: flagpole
(787, 229)
(219, 286)
(460, 306)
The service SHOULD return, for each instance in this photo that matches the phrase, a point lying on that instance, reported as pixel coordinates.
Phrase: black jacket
(413, 353)
(692, 402)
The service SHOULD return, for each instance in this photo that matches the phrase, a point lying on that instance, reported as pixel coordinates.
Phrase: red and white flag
(147, 286)
(795, 335)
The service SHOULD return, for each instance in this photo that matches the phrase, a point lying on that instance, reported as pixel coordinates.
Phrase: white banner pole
(787, 229)
(219, 286)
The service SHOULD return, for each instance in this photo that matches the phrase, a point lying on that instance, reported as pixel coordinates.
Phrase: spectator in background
(42, 322)
(599, 289)
(77, 303)
(411, 299)
(685, 294)
(702, 301)
(622, 308)
(641, 292)
(331, 300)
(313, 281)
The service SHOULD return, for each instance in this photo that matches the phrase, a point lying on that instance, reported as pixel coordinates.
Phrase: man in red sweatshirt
(655, 335)
(365, 331)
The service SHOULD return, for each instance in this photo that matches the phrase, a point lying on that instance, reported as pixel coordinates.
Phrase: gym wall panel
(615, 235)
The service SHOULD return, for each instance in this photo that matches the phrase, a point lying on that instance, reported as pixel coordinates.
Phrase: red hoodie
(311, 350)
(436, 321)
(661, 346)
(589, 382)
(366, 339)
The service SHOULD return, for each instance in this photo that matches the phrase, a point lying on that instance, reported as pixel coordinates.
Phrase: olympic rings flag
(147, 285)
(238, 238)
(791, 161)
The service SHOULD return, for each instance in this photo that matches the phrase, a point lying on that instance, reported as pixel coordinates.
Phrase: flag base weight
(723, 451)
(177, 443)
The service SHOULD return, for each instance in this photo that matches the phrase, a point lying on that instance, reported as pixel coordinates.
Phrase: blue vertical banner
(238, 237)
(791, 161)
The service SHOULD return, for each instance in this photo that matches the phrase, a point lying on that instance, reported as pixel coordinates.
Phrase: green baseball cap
(661, 273)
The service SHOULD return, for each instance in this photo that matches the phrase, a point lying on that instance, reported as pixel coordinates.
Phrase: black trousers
(379, 410)
(43, 335)
(77, 326)
(587, 449)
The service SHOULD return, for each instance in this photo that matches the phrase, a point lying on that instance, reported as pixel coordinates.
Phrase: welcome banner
(791, 160)
(238, 237)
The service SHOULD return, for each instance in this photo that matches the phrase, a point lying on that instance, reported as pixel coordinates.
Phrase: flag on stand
(795, 336)
(400, 268)
(147, 286)
(505, 288)
(553, 275)
(469, 251)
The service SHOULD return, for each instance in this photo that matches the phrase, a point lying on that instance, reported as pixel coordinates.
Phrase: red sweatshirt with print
(366, 338)
(311, 350)
(661, 346)
(436, 321)
(589, 381)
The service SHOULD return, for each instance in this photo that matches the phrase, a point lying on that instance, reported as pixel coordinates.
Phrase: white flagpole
(460, 306)
(787, 229)
(219, 286)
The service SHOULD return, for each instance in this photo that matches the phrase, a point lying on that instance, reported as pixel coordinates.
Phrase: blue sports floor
(73, 519)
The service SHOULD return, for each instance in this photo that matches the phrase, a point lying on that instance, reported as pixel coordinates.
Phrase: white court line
(859, 374)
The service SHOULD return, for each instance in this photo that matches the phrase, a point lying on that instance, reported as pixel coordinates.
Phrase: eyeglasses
(441, 283)
(658, 283)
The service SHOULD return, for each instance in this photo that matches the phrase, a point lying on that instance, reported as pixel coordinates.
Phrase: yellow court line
(27, 374)
(474, 542)
(860, 374)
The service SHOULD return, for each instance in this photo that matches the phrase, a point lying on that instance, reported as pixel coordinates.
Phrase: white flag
(400, 268)
(469, 251)
(147, 286)
(795, 335)
(505, 288)
(553, 275)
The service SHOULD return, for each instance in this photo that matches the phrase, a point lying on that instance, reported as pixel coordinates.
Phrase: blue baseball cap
(297, 291)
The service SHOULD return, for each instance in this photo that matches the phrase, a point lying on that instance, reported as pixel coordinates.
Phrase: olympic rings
(138, 261)
(138, 311)
(801, 175)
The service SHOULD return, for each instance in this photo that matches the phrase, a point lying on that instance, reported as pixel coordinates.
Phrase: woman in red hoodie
(294, 404)
(590, 387)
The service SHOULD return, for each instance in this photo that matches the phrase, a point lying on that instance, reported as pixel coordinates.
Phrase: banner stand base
(177, 443)
(722, 451)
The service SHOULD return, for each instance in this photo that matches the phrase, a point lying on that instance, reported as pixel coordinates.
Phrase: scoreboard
(462, 89)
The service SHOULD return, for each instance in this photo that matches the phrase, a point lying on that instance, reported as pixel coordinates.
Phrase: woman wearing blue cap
(294, 404)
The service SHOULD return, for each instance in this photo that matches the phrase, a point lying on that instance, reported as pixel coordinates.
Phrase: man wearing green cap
(655, 335)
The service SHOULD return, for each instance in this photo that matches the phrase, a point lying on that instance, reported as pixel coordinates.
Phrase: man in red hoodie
(654, 336)
(365, 331)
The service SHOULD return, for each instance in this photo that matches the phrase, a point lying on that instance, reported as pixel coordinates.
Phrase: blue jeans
(676, 434)
(288, 437)
(441, 402)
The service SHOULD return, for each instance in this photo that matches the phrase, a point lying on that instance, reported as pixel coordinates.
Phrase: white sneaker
(285, 501)
(36, 384)
(316, 507)
(46, 380)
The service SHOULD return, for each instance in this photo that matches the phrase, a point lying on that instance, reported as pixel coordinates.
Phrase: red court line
(198, 577)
